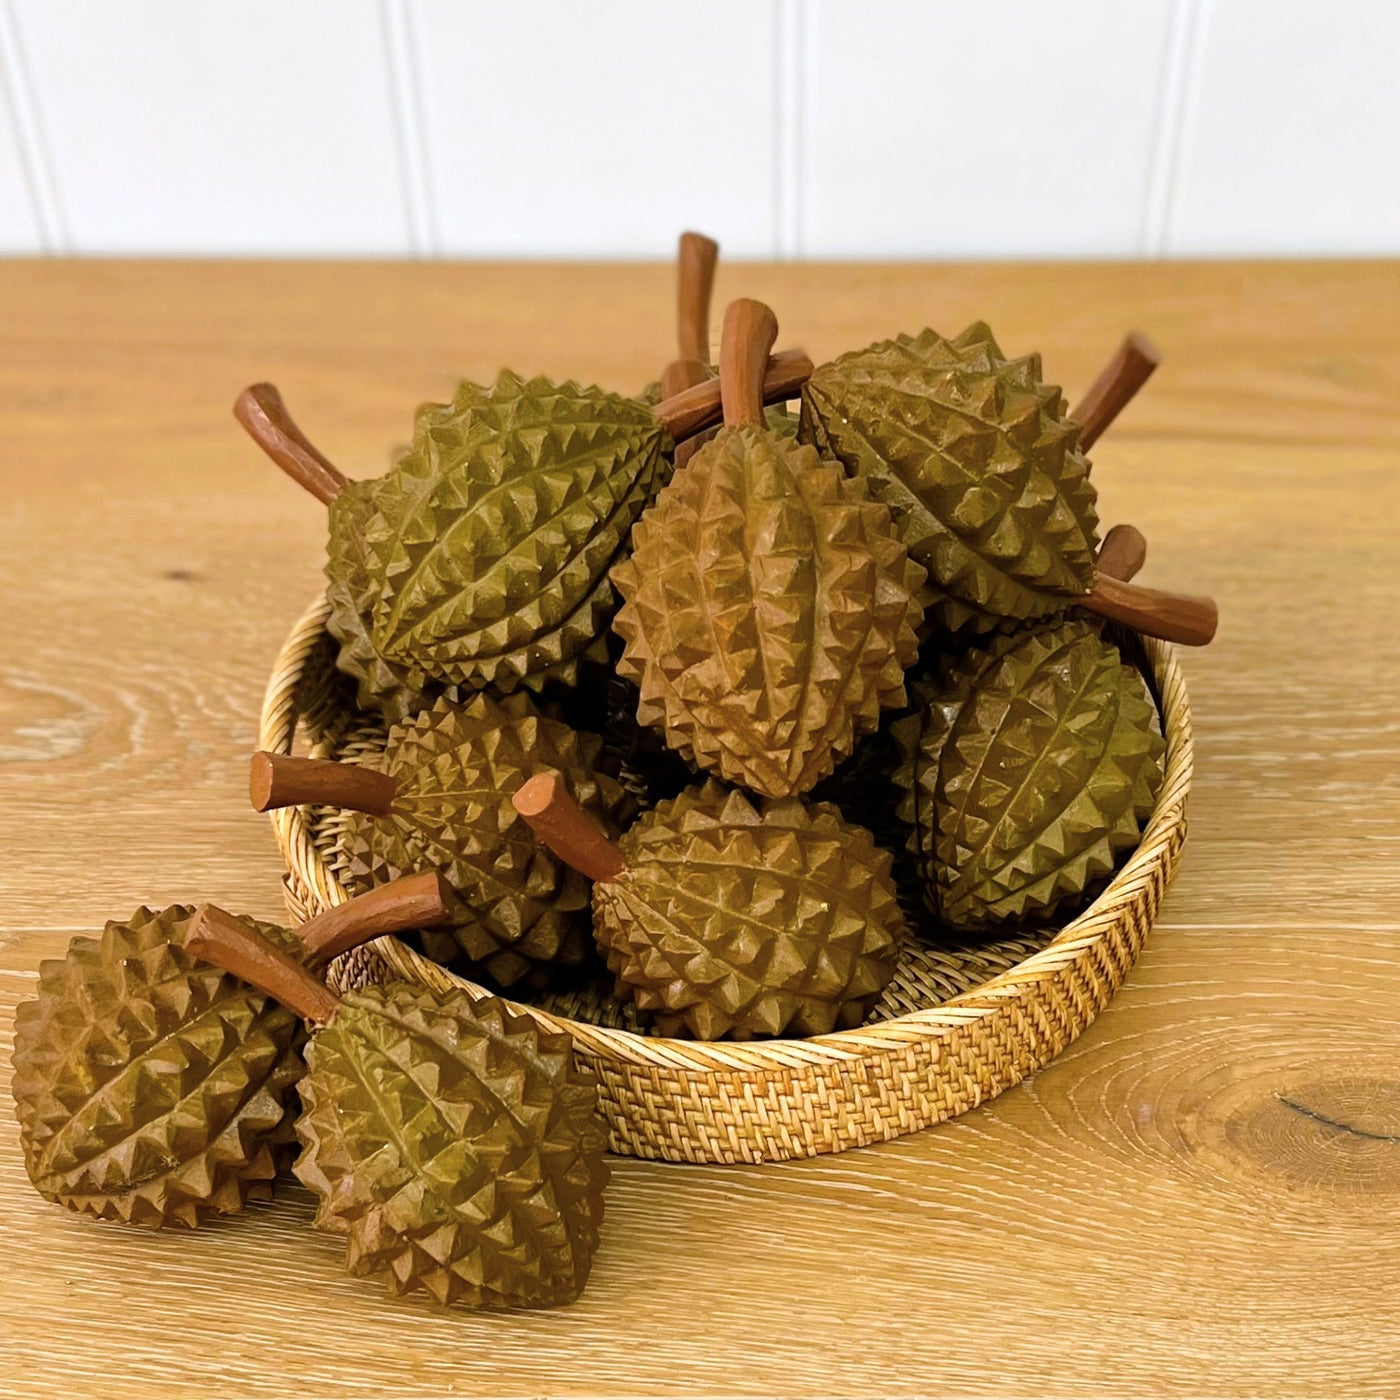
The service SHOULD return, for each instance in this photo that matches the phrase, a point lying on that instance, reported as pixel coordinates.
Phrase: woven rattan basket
(957, 1027)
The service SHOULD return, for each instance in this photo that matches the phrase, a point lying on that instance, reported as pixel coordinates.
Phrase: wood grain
(1200, 1197)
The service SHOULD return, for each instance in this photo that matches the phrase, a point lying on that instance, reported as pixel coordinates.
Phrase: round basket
(1012, 1007)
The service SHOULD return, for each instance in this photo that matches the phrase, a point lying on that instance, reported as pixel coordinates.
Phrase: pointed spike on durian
(218, 937)
(1122, 553)
(1174, 617)
(1130, 368)
(282, 780)
(750, 328)
(259, 408)
(551, 812)
(696, 258)
(412, 902)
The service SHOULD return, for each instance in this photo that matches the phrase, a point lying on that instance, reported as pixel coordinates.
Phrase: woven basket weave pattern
(772, 1100)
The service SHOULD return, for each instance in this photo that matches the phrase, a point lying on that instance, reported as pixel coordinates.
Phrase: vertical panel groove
(1176, 112)
(35, 151)
(788, 127)
(402, 58)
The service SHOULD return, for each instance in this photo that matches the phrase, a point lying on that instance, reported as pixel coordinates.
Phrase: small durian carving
(728, 917)
(770, 606)
(1030, 765)
(482, 557)
(455, 1146)
(438, 795)
(153, 1089)
(986, 478)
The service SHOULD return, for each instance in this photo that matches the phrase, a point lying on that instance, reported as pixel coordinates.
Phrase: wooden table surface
(1202, 1196)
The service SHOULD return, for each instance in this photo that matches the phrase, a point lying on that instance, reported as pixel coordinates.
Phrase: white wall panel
(600, 129)
(1292, 142)
(1009, 128)
(261, 126)
(19, 229)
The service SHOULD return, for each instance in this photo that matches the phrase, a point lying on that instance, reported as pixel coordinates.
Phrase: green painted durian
(1029, 766)
(482, 558)
(457, 1147)
(722, 916)
(444, 803)
(743, 919)
(151, 1088)
(976, 459)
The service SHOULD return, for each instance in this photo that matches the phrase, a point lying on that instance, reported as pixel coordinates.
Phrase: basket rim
(278, 725)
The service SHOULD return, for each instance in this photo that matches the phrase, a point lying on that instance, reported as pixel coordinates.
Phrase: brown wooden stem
(696, 409)
(695, 265)
(279, 780)
(217, 937)
(681, 375)
(1129, 369)
(415, 901)
(1174, 617)
(261, 411)
(1122, 553)
(750, 328)
(566, 828)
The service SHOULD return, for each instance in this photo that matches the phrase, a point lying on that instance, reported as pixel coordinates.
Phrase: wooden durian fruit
(770, 606)
(726, 917)
(457, 1147)
(1029, 765)
(438, 796)
(482, 557)
(984, 474)
(155, 1090)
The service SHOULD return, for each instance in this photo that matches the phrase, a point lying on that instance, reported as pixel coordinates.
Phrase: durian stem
(1174, 617)
(415, 901)
(1129, 369)
(279, 780)
(750, 328)
(568, 831)
(695, 266)
(1122, 553)
(696, 409)
(217, 937)
(261, 411)
(681, 375)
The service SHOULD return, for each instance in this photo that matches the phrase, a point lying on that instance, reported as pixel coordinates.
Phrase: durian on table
(482, 557)
(438, 795)
(986, 477)
(154, 1089)
(726, 916)
(455, 1145)
(770, 608)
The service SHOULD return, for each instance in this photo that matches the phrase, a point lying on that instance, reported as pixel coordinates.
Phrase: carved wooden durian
(982, 470)
(1029, 766)
(482, 557)
(455, 1145)
(151, 1089)
(154, 1089)
(438, 795)
(722, 916)
(770, 607)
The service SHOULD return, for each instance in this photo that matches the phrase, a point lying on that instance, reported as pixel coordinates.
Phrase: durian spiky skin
(520, 908)
(743, 919)
(482, 557)
(1029, 766)
(151, 1088)
(456, 1146)
(978, 462)
(770, 612)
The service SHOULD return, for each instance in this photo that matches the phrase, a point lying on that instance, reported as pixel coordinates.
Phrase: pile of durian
(728, 691)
